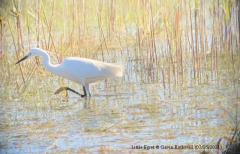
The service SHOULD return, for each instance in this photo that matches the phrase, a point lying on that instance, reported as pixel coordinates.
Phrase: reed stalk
(164, 37)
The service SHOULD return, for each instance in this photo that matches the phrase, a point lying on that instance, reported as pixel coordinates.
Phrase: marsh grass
(181, 47)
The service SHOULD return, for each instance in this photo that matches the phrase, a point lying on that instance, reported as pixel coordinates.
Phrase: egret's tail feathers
(116, 69)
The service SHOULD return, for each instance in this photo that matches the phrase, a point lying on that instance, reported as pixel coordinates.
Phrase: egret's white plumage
(80, 70)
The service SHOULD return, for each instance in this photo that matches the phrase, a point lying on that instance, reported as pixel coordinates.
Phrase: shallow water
(127, 114)
(119, 118)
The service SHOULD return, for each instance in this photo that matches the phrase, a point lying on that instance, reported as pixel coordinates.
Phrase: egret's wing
(85, 70)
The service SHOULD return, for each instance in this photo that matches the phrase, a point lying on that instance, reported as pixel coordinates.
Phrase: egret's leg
(89, 92)
(66, 88)
(84, 90)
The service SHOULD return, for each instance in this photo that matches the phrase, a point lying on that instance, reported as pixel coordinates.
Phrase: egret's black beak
(26, 57)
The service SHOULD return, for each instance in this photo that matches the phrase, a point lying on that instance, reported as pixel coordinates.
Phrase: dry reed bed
(171, 41)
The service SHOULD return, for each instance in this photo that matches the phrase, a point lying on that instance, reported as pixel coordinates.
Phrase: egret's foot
(66, 94)
(60, 90)
(66, 88)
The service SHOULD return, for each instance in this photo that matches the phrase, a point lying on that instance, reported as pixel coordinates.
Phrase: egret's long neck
(47, 64)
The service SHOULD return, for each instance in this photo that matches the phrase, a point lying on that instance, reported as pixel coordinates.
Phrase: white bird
(80, 70)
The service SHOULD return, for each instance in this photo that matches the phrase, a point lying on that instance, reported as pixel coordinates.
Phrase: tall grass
(172, 41)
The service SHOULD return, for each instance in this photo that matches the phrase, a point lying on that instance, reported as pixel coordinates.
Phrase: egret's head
(33, 52)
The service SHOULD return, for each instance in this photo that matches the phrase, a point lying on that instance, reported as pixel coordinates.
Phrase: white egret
(80, 70)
